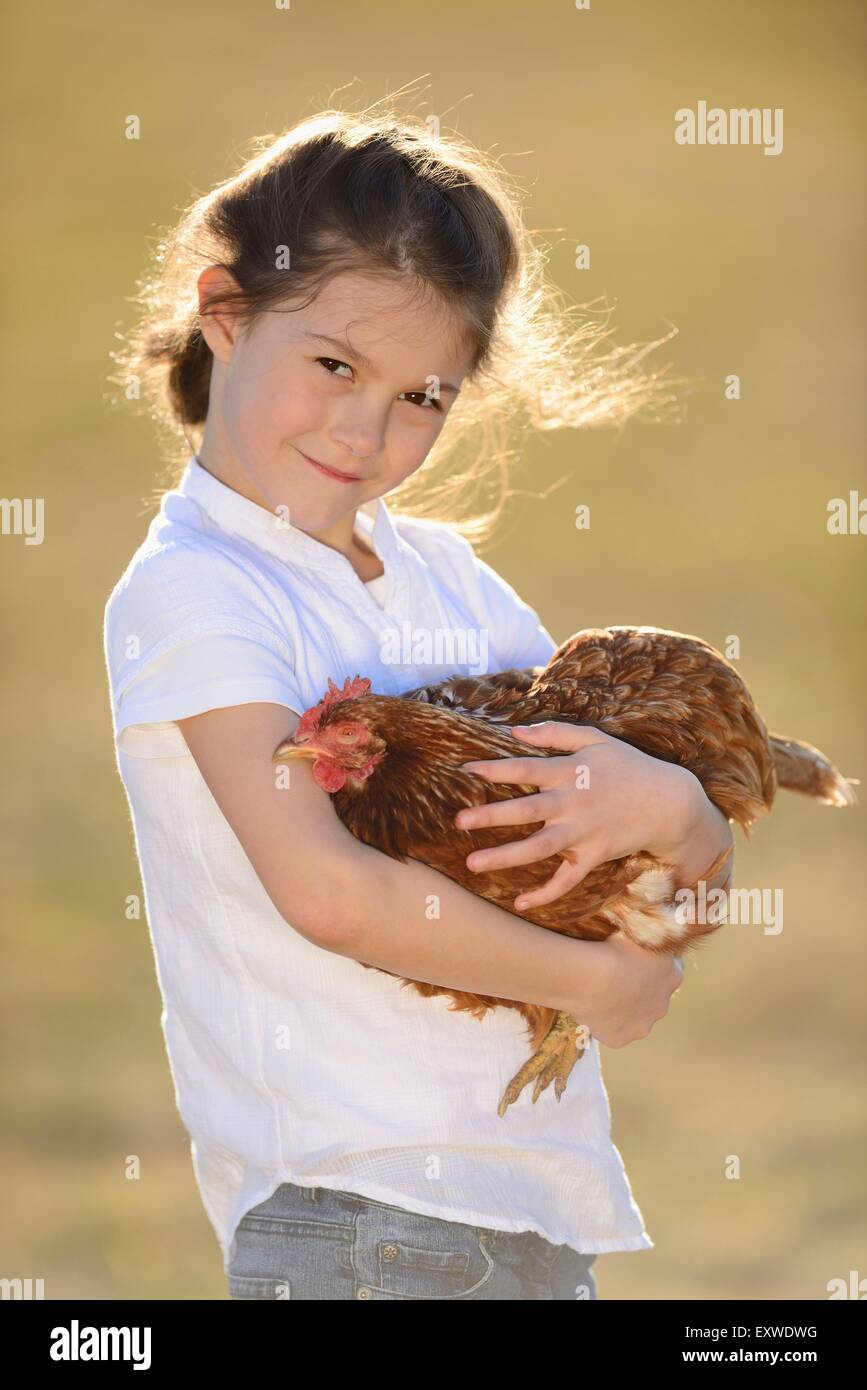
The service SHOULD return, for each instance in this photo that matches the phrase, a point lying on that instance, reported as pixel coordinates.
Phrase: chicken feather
(392, 765)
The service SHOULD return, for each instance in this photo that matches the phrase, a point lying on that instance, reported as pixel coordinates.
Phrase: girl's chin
(313, 518)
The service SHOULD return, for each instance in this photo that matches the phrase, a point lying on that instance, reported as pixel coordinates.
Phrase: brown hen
(392, 767)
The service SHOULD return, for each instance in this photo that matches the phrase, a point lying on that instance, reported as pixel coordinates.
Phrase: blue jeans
(312, 1243)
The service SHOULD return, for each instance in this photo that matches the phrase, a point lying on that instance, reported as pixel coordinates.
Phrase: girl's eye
(335, 363)
(424, 400)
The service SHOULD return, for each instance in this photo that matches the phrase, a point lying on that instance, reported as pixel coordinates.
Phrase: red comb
(309, 721)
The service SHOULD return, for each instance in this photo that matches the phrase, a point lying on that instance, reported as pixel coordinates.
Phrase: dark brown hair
(383, 194)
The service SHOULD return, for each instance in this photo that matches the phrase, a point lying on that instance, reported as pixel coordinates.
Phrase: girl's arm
(704, 839)
(349, 898)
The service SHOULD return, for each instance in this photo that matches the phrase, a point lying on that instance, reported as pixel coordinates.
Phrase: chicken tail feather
(802, 768)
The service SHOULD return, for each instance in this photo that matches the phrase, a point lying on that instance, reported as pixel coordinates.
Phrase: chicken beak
(289, 749)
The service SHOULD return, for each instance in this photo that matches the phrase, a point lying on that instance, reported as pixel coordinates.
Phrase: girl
(309, 325)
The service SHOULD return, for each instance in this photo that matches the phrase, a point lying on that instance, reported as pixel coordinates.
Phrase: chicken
(392, 767)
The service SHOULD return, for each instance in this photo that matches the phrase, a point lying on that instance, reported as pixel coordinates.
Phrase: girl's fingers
(518, 810)
(540, 845)
(554, 733)
(533, 772)
(567, 876)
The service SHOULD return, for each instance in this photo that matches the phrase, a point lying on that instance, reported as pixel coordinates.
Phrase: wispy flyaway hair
(379, 193)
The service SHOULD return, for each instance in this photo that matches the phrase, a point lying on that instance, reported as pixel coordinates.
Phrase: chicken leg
(553, 1061)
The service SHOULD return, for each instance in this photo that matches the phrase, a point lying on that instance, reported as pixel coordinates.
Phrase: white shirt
(377, 587)
(292, 1063)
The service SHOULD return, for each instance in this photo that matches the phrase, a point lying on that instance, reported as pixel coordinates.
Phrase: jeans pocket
(404, 1255)
(411, 1271)
(255, 1286)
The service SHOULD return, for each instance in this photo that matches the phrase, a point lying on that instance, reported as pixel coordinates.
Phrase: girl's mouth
(332, 472)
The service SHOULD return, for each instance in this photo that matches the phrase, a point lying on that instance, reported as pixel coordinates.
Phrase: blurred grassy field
(715, 526)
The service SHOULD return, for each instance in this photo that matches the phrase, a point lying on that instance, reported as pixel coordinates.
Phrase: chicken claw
(553, 1060)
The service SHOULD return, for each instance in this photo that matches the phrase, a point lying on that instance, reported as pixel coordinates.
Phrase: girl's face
(359, 382)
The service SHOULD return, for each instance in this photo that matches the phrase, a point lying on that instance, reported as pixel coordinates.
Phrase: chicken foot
(553, 1061)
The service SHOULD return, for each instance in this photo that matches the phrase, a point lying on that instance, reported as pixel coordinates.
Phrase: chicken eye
(346, 732)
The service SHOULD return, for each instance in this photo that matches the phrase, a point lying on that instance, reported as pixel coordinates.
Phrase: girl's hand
(608, 801)
(634, 992)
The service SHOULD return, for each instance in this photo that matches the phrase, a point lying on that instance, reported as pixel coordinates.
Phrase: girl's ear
(219, 324)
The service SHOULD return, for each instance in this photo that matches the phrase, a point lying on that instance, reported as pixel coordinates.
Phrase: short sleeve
(516, 635)
(519, 635)
(210, 671)
(166, 664)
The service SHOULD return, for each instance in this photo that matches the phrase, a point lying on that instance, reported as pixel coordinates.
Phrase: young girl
(310, 324)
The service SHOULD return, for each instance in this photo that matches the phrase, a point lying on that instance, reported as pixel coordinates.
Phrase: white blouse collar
(273, 532)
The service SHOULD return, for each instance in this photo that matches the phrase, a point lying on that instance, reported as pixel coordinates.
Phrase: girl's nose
(360, 429)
